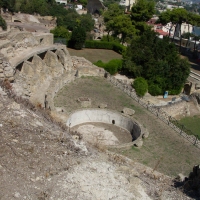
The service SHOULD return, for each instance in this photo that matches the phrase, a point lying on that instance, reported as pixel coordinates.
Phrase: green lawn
(93, 55)
(192, 123)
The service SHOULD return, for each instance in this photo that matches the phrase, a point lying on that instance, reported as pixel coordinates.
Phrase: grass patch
(93, 55)
(192, 123)
(95, 88)
(178, 155)
(135, 148)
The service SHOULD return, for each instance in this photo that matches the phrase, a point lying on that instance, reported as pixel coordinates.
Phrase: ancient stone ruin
(37, 68)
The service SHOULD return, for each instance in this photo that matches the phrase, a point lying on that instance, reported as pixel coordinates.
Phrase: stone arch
(30, 59)
(187, 88)
(16, 20)
(42, 55)
(19, 67)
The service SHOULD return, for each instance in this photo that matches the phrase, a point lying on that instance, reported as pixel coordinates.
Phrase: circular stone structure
(87, 120)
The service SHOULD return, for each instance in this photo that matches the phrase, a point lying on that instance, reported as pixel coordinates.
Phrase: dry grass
(95, 88)
(93, 55)
(164, 146)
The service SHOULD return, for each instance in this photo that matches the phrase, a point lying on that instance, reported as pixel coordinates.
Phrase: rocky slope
(41, 160)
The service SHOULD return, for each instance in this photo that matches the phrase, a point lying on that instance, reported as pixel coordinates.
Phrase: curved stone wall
(37, 68)
(105, 116)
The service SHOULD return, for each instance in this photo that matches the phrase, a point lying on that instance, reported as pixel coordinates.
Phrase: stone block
(103, 105)
(8, 73)
(85, 102)
(11, 79)
(138, 143)
(145, 134)
(181, 177)
(128, 111)
(197, 86)
(8, 68)
(2, 75)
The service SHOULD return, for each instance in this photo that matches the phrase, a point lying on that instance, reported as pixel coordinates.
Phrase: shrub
(78, 38)
(141, 86)
(3, 23)
(112, 69)
(113, 66)
(61, 32)
(109, 38)
(99, 63)
(155, 90)
(98, 45)
(175, 91)
(93, 44)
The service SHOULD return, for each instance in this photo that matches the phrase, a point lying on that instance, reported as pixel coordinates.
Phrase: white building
(185, 28)
(61, 2)
(127, 3)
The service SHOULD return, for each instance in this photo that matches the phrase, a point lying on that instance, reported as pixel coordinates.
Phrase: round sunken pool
(104, 126)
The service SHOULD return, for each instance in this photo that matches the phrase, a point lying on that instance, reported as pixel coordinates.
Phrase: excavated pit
(104, 127)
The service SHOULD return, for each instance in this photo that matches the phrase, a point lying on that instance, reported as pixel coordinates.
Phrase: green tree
(78, 38)
(109, 15)
(107, 3)
(61, 32)
(141, 12)
(69, 21)
(118, 23)
(86, 22)
(66, 18)
(35, 6)
(113, 66)
(123, 25)
(83, 2)
(176, 16)
(8, 4)
(157, 61)
(141, 86)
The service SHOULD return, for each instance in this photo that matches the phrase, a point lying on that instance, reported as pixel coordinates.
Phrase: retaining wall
(105, 116)
(159, 112)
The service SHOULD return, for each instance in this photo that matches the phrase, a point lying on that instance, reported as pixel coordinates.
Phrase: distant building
(61, 2)
(196, 31)
(127, 3)
(171, 29)
(158, 28)
(185, 28)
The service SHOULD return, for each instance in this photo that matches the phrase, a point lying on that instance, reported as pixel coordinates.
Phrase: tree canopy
(123, 25)
(118, 23)
(65, 18)
(178, 16)
(141, 86)
(157, 61)
(78, 38)
(62, 32)
(141, 12)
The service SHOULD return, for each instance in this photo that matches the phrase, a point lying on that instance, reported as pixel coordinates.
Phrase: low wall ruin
(37, 68)
(105, 116)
